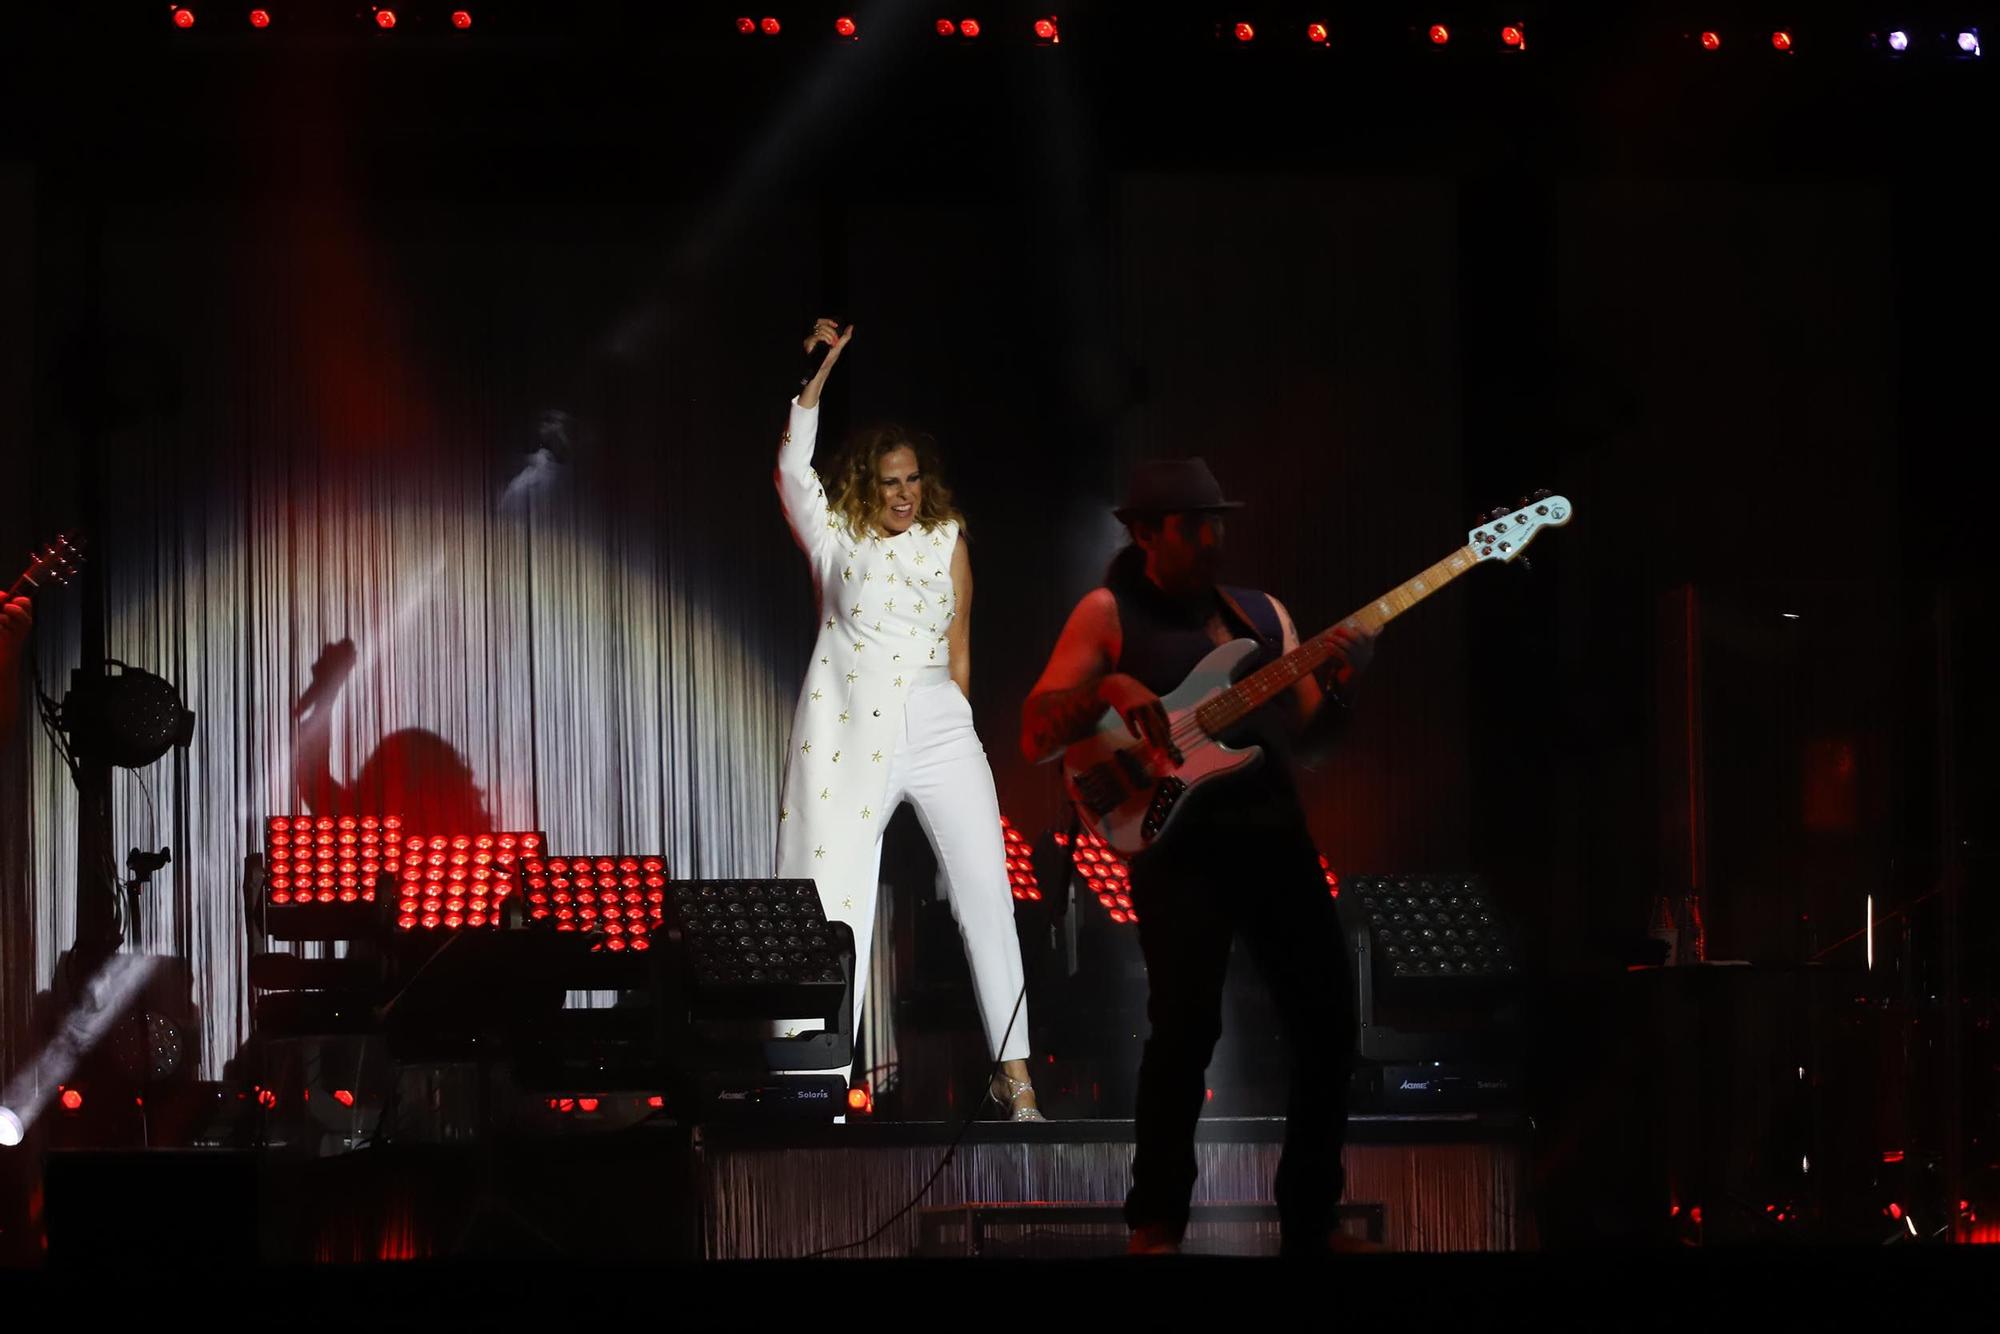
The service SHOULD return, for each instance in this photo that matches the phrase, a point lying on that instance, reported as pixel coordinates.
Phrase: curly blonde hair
(854, 483)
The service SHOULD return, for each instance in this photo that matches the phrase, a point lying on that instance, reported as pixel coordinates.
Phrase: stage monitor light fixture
(1514, 37)
(1781, 41)
(747, 26)
(183, 17)
(260, 18)
(968, 28)
(1440, 35)
(1048, 31)
(1245, 33)
(770, 26)
(461, 19)
(1711, 41)
(1317, 34)
(946, 28)
(385, 19)
(1020, 864)
(844, 27)
(1899, 41)
(1968, 43)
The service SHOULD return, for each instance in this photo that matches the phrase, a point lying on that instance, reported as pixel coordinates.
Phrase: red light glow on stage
(183, 17)
(267, 1098)
(771, 27)
(969, 28)
(260, 18)
(860, 1099)
(844, 26)
(746, 26)
(623, 897)
(1711, 41)
(385, 19)
(345, 1097)
(1440, 34)
(1781, 40)
(586, 1104)
(946, 28)
(1332, 879)
(1020, 864)
(1316, 32)
(1245, 33)
(1512, 36)
(1047, 31)
(72, 1099)
(461, 19)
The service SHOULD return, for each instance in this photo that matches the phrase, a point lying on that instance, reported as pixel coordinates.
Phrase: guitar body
(1130, 804)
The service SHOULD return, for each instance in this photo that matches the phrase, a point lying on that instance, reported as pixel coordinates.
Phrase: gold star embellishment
(847, 575)
(937, 542)
(783, 814)
(878, 625)
(866, 813)
(890, 605)
(829, 622)
(847, 904)
(933, 655)
(920, 611)
(859, 645)
(923, 583)
(892, 553)
(820, 851)
(823, 661)
(836, 757)
(851, 677)
(815, 695)
(892, 578)
(823, 793)
(786, 438)
(843, 715)
(899, 680)
(806, 749)
(877, 757)
(867, 577)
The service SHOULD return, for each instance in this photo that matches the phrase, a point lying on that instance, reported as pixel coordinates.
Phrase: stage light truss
(621, 897)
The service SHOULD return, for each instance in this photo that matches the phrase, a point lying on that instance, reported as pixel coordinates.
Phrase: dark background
(1738, 307)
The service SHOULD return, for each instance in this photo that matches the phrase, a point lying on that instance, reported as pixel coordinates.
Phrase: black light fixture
(128, 719)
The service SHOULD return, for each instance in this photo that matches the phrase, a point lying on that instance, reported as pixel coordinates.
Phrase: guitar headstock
(1505, 532)
(56, 563)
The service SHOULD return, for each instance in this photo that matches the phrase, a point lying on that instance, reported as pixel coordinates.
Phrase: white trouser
(940, 768)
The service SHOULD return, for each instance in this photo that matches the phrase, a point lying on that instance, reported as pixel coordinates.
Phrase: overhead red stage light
(969, 28)
(1512, 37)
(72, 1099)
(1711, 41)
(345, 1097)
(1047, 31)
(260, 18)
(1245, 33)
(1439, 34)
(1316, 32)
(746, 26)
(946, 28)
(461, 19)
(770, 26)
(1781, 40)
(183, 17)
(844, 26)
(385, 19)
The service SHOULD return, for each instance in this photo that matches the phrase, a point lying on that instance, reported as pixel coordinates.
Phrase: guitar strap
(1242, 616)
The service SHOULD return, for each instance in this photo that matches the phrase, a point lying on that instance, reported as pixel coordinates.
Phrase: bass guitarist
(1238, 859)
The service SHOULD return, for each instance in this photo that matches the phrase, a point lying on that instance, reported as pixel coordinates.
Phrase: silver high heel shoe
(1015, 1088)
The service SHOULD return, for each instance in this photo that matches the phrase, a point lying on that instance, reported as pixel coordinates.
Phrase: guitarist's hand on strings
(825, 331)
(1353, 650)
(1142, 711)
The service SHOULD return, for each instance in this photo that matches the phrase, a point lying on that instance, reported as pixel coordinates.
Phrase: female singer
(884, 715)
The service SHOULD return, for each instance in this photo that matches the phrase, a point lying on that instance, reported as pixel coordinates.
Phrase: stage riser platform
(774, 1202)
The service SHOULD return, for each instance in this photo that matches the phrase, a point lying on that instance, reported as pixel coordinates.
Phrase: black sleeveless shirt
(1162, 638)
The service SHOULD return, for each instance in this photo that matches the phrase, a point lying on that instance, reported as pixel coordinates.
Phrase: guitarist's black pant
(1210, 881)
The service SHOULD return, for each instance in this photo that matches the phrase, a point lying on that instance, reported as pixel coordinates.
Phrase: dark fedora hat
(1172, 486)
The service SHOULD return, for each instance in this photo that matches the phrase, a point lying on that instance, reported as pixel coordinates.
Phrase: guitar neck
(1259, 688)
